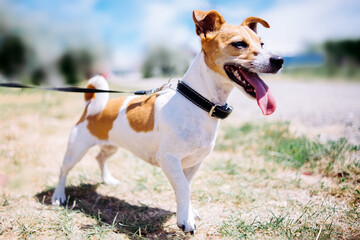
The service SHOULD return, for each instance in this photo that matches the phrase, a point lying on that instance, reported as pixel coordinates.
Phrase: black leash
(211, 108)
(78, 90)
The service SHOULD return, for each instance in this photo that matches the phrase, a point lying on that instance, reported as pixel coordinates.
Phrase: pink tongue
(264, 97)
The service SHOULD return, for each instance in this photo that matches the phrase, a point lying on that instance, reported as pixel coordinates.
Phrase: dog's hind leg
(76, 149)
(105, 152)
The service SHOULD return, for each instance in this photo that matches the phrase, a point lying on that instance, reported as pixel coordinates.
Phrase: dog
(175, 129)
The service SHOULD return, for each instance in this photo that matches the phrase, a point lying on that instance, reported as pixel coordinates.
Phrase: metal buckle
(212, 110)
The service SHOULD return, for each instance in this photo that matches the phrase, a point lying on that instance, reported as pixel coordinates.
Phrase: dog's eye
(262, 45)
(240, 44)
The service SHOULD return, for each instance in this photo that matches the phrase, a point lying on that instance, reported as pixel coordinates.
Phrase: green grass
(275, 142)
(275, 226)
(312, 220)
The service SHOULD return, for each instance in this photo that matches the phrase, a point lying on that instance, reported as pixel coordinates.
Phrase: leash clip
(164, 86)
(154, 90)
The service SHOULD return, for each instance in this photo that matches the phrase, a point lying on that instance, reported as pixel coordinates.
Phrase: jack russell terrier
(176, 129)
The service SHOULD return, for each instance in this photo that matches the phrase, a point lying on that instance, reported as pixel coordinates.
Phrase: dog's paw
(110, 180)
(58, 199)
(187, 223)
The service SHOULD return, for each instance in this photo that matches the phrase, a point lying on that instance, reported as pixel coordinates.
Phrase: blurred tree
(12, 55)
(75, 66)
(67, 67)
(163, 61)
(38, 76)
(342, 53)
(85, 62)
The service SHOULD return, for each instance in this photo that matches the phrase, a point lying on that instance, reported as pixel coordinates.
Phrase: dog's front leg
(174, 172)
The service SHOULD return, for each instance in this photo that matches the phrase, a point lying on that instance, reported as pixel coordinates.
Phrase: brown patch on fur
(100, 125)
(140, 113)
(252, 22)
(207, 22)
(89, 96)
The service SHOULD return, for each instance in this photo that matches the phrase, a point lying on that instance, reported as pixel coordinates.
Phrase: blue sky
(122, 30)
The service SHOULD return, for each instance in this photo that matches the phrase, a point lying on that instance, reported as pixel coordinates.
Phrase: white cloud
(294, 24)
(165, 22)
(234, 14)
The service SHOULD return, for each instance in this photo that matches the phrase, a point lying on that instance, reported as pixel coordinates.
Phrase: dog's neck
(206, 82)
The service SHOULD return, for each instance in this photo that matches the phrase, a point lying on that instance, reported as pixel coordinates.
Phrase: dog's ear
(252, 22)
(207, 22)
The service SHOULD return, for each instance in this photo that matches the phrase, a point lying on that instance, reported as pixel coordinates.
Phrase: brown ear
(252, 22)
(207, 21)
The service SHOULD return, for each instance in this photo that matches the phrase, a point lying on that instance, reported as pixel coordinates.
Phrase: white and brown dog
(167, 129)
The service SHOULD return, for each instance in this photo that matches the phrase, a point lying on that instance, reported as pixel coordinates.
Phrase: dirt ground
(231, 188)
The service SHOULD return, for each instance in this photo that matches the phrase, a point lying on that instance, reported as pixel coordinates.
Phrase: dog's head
(236, 53)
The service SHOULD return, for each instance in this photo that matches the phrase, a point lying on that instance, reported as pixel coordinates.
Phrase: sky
(123, 30)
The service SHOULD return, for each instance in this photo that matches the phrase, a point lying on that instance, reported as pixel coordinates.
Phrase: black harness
(214, 110)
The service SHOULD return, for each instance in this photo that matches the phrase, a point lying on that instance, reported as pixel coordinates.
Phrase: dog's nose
(276, 61)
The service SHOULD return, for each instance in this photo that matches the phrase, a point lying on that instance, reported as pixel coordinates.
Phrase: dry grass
(238, 192)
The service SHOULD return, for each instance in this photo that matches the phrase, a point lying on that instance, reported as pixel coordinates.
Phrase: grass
(338, 159)
(311, 221)
(261, 182)
(275, 142)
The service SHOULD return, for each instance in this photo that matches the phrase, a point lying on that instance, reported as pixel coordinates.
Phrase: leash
(214, 110)
(84, 90)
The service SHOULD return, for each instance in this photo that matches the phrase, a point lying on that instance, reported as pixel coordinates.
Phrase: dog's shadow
(122, 216)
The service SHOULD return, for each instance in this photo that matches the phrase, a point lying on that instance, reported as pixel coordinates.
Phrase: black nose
(276, 61)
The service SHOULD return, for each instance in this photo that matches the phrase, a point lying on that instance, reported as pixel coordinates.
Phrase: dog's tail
(96, 102)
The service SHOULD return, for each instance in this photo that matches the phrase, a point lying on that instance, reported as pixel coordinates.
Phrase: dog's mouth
(253, 85)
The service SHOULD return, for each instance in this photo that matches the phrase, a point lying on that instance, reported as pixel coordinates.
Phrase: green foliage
(38, 76)
(75, 66)
(12, 55)
(344, 52)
